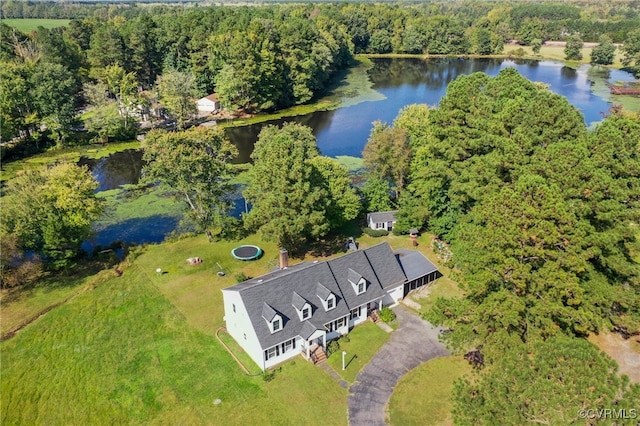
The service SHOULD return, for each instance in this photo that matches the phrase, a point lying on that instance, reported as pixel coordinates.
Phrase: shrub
(387, 315)
(375, 232)
(332, 347)
(241, 277)
(269, 375)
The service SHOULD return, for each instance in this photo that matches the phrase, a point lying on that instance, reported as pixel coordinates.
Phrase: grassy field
(141, 349)
(28, 25)
(364, 342)
(557, 53)
(422, 396)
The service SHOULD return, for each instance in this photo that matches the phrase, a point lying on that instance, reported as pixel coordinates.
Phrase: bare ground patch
(625, 352)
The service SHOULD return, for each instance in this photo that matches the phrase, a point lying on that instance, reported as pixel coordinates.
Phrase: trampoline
(246, 252)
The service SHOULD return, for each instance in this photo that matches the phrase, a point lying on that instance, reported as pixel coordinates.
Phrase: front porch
(316, 354)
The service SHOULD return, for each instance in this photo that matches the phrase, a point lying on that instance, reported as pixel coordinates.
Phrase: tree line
(541, 216)
(115, 59)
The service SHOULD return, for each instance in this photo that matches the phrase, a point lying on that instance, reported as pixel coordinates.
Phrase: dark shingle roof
(414, 264)
(298, 301)
(385, 265)
(322, 291)
(268, 313)
(378, 217)
(307, 330)
(353, 276)
(283, 291)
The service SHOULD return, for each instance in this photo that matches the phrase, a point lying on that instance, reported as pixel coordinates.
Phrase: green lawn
(365, 341)
(22, 305)
(28, 25)
(140, 349)
(422, 396)
(557, 53)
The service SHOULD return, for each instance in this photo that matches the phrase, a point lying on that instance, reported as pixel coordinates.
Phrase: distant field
(27, 25)
(557, 53)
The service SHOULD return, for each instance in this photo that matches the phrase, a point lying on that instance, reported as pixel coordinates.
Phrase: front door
(389, 226)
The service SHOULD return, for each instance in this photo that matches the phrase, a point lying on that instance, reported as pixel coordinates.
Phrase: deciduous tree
(195, 164)
(51, 211)
(387, 154)
(631, 50)
(344, 203)
(604, 52)
(287, 206)
(573, 48)
(176, 92)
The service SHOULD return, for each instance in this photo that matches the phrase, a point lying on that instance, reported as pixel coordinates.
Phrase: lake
(414, 81)
(345, 131)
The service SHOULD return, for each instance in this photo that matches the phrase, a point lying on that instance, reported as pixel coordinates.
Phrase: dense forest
(123, 61)
(540, 215)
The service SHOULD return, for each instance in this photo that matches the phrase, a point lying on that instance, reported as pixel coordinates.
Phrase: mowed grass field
(423, 396)
(28, 25)
(140, 348)
(557, 53)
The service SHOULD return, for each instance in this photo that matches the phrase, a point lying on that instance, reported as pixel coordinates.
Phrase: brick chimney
(284, 258)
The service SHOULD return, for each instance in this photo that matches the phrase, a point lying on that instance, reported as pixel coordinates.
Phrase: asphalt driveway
(414, 342)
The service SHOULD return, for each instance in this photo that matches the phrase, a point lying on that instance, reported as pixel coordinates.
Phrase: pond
(408, 81)
(344, 132)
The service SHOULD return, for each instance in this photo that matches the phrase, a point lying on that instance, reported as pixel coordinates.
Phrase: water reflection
(245, 137)
(118, 169)
(346, 130)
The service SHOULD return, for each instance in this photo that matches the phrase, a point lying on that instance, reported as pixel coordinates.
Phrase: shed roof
(379, 217)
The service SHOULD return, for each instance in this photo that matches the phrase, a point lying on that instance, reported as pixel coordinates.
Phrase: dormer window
(331, 302)
(327, 298)
(302, 306)
(273, 319)
(306, 312)
(276, 324)
(357, 281)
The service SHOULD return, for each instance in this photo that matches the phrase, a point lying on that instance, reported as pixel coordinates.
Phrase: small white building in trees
(209, 104)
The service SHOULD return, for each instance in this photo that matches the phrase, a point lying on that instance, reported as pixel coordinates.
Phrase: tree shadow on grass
(331, 244)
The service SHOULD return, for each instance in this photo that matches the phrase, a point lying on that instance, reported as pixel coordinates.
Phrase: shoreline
(350, 87)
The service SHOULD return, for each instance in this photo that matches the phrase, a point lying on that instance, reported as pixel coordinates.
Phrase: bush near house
(387, 315)
(375, 232)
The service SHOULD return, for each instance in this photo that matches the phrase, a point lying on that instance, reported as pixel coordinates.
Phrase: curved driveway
(414, 342)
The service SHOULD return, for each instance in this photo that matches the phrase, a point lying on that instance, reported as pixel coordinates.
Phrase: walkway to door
(414, 342)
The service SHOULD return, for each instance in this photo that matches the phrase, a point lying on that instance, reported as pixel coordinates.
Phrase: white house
(382, 220)
(209, 103)
(296, 310)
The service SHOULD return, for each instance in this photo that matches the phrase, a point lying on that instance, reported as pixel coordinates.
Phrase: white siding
(282, 355)
(239, 326)
(337, 331)
(359, 319)
(207, 105)
(393, 296)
